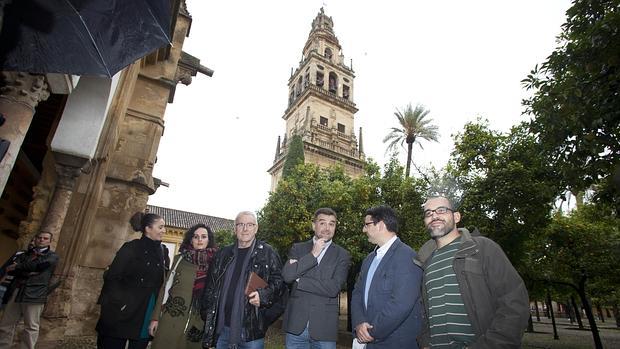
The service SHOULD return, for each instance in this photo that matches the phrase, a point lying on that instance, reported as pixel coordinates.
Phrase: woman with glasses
(179, 324)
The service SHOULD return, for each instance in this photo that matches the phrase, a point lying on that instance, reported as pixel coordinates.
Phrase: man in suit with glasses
(386, 308)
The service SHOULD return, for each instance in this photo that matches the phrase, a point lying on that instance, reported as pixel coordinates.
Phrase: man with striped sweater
(474, 298)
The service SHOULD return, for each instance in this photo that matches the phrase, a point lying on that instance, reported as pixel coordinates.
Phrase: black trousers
(104, 342)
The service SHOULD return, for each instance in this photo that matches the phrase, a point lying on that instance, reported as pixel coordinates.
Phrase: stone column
(57, 211)
(68, 169)
(19, 95)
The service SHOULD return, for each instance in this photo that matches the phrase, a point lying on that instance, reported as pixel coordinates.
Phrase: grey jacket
(493, 292)
(315, 290)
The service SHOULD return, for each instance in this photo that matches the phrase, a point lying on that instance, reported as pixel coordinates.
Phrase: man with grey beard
(473, 296)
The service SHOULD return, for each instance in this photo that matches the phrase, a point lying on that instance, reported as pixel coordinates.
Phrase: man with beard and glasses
(474, 297)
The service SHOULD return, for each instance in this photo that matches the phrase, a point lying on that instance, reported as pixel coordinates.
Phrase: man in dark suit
(317, 269)
(386, 308)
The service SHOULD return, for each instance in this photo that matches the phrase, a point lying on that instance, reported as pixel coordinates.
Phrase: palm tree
(412, 128)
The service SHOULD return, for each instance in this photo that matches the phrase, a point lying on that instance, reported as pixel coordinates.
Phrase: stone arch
(328, 53)
(298, 87)
(333, 82)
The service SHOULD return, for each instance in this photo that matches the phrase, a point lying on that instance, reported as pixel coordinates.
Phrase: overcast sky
(460, 59)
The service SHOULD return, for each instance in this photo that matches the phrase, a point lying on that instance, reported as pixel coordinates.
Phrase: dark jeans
(104, 342)
(222, 341)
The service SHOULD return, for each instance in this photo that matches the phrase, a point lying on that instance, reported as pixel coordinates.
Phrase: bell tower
(320, 106)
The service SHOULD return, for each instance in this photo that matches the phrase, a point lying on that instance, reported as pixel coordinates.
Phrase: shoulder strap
(170, 280)
(176, 264)
(164, 256)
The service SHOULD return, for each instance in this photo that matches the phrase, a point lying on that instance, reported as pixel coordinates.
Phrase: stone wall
(114, 186)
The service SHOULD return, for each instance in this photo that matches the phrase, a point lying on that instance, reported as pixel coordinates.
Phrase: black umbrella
(81, 37)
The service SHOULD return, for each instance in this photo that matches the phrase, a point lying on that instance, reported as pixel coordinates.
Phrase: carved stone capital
(66, 176)
(24, 88)
(183, 9)
(184, 75)
(189, 66)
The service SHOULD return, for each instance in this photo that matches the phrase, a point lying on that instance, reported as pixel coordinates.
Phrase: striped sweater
(450, 326)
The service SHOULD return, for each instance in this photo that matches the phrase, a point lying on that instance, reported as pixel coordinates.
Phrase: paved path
(570, 336)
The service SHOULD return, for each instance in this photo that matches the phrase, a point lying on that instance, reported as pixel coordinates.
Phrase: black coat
(265, 262)
(136, 273)
(32, 275)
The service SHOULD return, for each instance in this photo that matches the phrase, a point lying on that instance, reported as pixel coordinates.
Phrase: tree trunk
(584, 300)
(530, 324)
(409, 151)
(577, 312)
(355, 269)
(578, 198)
(349, 294)
(569, 311)
(617, 314)
(600, 312)
(550, 310)
(537, 312)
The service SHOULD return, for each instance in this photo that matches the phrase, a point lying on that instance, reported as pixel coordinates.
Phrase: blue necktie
(371, 273)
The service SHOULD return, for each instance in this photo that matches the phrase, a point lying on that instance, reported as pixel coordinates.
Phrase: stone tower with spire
(320, 106)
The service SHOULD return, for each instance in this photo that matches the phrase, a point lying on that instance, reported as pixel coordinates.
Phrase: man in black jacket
(31, 271)
(474, 297)
(232, 319)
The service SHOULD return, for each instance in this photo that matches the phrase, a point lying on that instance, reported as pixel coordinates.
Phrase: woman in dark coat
(180, 325)
(131, 285)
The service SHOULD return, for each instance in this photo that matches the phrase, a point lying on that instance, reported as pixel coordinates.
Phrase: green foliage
(406, 196)
(287, 216)
(576, 103)
(583, 247)
(443, 183)
(412, 127)
(508, 186)
(224, 238)
(295, 155)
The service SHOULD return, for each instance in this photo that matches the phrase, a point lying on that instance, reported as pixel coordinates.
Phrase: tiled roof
(184, 219)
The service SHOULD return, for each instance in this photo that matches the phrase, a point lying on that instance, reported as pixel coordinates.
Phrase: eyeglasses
(366, 224)
(245, 225)
(438, 210)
